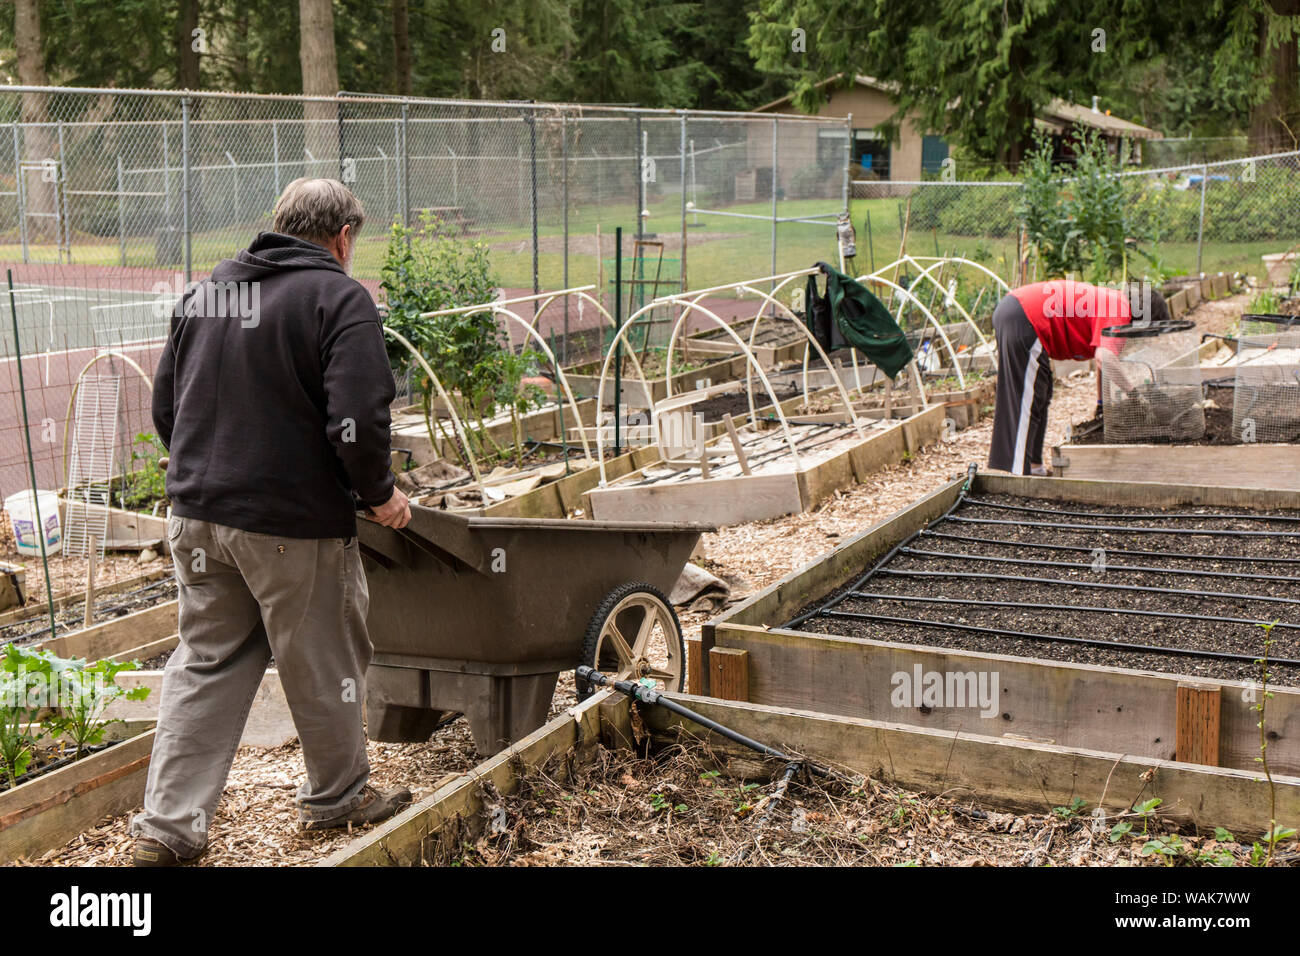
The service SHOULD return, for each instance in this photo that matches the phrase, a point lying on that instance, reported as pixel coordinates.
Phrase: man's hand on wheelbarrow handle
(393, 513)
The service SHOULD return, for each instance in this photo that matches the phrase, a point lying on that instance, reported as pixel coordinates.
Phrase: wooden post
(735, 443)
(703, 445)
(889, 399)
(729, 673)
(93, 547)
(694, 666)
(1197, 724)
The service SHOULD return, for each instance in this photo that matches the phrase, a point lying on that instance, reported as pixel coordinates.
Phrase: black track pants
(1024, 391)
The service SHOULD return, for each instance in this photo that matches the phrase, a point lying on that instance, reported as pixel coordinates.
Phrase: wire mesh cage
(1151, 385)
(1266, 393)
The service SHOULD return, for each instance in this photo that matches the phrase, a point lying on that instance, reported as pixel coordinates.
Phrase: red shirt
(1068, 316)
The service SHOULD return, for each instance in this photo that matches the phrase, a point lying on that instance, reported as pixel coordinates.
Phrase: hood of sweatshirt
(272, 253)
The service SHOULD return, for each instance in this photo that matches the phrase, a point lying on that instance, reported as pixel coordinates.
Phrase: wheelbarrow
(478, 616)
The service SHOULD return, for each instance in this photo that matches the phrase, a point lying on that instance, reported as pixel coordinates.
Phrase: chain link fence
(1189, 219)
(111, 201)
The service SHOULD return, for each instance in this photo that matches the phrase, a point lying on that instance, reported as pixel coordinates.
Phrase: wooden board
(998, 772)
(56, 807)
(400, 841)
(270, 724)
(1252, 465)
(717, 501)
(559, 498)
(118, 635)
(1077, 705)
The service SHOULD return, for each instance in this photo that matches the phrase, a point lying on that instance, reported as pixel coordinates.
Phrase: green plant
(23, 679)
(1146, 810)
(146, 483)
(1077, 218)
(428, 269)
(68, 696)
(1265, 302)
(89, 690)
(1274, 834)
(1065, 813)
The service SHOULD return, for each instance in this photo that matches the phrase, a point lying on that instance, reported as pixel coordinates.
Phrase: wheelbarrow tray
(480, 615)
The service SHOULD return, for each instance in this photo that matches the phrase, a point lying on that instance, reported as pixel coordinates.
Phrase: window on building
(870, 155)
(934, 151)
(830, 148)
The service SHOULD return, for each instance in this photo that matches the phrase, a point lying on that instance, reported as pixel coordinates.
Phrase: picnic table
(452, 215)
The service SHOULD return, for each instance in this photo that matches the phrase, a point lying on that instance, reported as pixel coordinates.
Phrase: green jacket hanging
(850, 316)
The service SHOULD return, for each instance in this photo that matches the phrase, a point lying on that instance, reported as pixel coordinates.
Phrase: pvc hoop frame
(583, 293)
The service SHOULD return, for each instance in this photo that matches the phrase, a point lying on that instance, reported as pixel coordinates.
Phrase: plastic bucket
(22, 514)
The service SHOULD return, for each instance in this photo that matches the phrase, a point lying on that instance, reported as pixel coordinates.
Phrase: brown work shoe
(152, 853)
(375, 805)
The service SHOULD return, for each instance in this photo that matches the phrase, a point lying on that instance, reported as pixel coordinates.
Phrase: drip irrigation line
(889, 556)
(1038, 563)
(1179, 555)
(970, 575)
(1212, 532)
(1155, 516)
(1061, 639)
(970, 602)
(98, 610)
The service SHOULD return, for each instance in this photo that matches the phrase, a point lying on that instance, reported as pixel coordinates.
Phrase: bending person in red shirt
(1034, 324)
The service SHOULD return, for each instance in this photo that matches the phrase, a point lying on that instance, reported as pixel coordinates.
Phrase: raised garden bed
(1184, 293)
(52, 808)
(411, 434)
(588, 765)
(766, 482)
(776, 341)
(974, 615)
(585, 380)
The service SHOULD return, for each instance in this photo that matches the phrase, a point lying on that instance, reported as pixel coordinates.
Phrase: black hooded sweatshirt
(272, 395)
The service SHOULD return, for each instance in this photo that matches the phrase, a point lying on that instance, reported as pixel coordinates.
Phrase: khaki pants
(245, 597)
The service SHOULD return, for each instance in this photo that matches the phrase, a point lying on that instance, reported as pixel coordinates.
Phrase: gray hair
(317, 210)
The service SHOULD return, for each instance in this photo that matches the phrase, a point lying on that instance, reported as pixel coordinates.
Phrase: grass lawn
(720, 249)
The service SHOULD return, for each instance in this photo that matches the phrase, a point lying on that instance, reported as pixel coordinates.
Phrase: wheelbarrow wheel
(634, 634)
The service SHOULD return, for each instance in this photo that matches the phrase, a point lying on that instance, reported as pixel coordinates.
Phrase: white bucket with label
(22, 513)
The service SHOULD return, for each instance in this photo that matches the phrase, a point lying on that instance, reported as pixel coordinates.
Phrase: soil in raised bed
(47, 759)
(1271, 554)
(108, 606)
(770, 332)
(737, 403)
(1218, 423)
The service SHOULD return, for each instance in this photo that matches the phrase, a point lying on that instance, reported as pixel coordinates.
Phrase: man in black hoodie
(272, 398)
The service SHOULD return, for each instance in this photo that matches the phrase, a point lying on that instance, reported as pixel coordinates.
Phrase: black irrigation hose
(648, 695)
(833, 602)
(975, 502)
(1146, 569)
(969, 575)
(1219, 532)
(1061, 639)
(1178, 555)
(1083, 608)
(98, 610)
